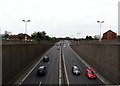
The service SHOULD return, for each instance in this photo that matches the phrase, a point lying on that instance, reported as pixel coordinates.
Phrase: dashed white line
(19, 84)
(60, 71)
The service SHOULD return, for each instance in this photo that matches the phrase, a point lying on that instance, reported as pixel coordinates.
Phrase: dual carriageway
(60, 72)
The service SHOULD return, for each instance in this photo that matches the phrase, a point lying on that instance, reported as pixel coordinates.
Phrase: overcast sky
(59, 18)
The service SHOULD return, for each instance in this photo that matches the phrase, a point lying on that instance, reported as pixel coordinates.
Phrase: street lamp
(26, 28)
(100, 29)
(0, 34)
(78, 37)
(0, 31)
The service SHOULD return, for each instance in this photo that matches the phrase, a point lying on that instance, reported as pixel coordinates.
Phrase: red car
(89, 73)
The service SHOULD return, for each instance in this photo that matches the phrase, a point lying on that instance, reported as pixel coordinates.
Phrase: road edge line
(40, 83)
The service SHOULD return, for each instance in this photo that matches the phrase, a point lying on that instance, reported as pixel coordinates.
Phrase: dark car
(41, 71)
(89, 73)
(45, 59)
(75, 70)
(58, 48)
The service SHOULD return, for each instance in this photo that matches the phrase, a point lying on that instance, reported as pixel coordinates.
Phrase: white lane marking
(60, 77)
(60, 71)
(84, 62)
(19, 84)
(65, 70)
(40, 83)
(35, 66)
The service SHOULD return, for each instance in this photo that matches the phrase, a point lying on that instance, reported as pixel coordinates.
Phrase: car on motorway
(45, 59)
(41, 70)
(60, 44)
(75, 70)
(58, 48)
(89, 73)
(64, 45)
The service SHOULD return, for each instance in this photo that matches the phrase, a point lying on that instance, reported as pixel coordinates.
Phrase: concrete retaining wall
(103, 57)
(16, 57)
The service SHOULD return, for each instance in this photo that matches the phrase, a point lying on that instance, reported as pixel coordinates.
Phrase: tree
(47, 38)
(43, 33)
(38, 36)
(21, 36)
(96, 37)
(6, 35)
(89, 38)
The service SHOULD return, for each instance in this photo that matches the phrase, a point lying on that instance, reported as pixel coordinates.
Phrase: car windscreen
(76, 69)
(45, 57)
(41, 69)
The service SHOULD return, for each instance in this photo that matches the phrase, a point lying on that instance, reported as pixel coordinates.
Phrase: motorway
(52, 76)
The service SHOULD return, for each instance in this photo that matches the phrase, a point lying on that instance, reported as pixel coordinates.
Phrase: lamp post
(26, 28)
(100, 29)
(0, 34)
(78, 37)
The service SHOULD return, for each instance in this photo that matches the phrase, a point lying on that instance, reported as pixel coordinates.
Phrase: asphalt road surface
(52, 76)
(72, 59)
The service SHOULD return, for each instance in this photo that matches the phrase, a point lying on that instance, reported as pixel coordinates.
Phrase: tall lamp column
(100, 29)
(26, 28)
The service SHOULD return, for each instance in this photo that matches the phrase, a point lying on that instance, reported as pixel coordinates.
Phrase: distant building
(19, 37)
(109, 35)
(13, 37)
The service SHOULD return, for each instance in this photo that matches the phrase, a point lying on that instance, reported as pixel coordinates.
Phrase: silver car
(75, 70)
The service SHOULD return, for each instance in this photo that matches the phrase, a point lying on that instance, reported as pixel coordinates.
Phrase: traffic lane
(53, 73)
(90, 81)
(72, 58)
(73, 79)
(33, 78)
(81, 79)
(83, 67)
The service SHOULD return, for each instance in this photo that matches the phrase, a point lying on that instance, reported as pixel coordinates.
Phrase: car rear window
(90, 72)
